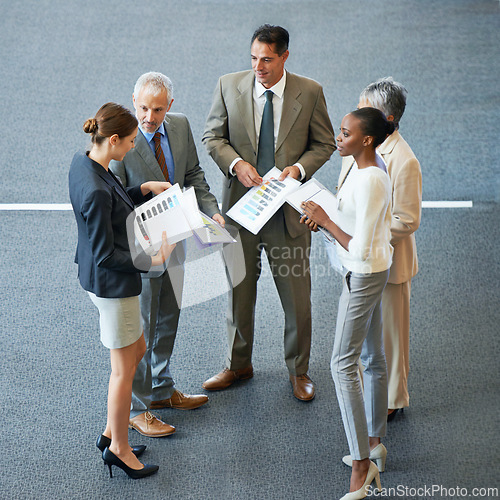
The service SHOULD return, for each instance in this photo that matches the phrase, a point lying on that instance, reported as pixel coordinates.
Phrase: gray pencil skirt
(119, 319)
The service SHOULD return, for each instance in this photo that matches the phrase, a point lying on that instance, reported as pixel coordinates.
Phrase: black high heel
(111, 459)
(103, 442)
(392, 415)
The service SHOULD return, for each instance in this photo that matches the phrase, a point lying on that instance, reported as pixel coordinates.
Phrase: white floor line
(35, 206)
(447, 204)
(67, 206)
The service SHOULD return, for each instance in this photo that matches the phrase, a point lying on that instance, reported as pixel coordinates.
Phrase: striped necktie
(160, 157)
(265, 154)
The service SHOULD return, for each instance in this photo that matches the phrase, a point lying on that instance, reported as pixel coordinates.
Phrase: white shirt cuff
(233, 163)
(301, 168)
(302, 171)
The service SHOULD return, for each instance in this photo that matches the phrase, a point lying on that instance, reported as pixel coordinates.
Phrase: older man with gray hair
(164, 150)
(406, 180)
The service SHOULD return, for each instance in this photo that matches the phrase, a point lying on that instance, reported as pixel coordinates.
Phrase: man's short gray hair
(388, 96)
(156, 83)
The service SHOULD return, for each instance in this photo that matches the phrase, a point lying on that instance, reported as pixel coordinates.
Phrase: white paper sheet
(331, 251)
(190, 207)
(211, 232)
(315, 191)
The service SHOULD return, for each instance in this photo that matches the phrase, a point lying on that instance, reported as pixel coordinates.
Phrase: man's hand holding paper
(247, 174)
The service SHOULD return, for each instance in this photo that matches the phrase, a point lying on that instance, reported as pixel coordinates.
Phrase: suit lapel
(291, 108)
(245, 105)
(389, 144)
(108, 178)
(144, 151)
(121, 191)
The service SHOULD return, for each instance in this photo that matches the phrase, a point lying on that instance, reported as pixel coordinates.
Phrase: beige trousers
(396, 321)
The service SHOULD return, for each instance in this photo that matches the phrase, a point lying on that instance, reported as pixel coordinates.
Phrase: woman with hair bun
(362, 231)
(109, 272)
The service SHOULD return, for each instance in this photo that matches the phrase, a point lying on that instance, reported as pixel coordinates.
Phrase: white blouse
(364, 212)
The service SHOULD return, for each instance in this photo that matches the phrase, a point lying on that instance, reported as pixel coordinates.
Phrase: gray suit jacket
(140, 165)
(305, 136)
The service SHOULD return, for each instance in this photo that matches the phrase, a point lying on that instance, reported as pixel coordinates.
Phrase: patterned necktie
(160, 157)
(265, 154)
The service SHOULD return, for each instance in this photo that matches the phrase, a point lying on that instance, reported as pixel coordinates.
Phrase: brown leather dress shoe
(149, 425)
(226, 378)
(303, 387)
(180, 401)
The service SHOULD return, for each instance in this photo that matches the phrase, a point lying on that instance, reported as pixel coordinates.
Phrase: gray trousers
(359, 336)
(160, 317)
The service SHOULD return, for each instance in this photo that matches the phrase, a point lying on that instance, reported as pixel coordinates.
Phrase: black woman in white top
(362, 231)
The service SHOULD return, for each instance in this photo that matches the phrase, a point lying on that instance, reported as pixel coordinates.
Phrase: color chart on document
(260, 203)
(165, 212)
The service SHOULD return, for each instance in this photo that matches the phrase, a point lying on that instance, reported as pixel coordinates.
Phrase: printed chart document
(211, 233)
(260, 203)
(189, 205)
(176, 212)
(205, 229)
(169, 211)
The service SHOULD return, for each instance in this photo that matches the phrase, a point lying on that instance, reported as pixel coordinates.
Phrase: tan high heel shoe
(373, 474)
(378, 455)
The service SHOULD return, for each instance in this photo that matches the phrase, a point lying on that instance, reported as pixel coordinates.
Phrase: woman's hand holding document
(177, 213)
(315, 191)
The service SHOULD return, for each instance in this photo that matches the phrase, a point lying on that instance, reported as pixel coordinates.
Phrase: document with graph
(170, 211)
(260, 203)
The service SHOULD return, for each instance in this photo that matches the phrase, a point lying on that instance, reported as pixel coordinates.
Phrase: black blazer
(101, 205)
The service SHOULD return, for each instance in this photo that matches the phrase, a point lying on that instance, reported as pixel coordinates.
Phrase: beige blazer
(406, 181)
(305, 135)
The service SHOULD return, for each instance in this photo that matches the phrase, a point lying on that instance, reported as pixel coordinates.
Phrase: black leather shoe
(111, 459)
(103, 442)
(392, 415)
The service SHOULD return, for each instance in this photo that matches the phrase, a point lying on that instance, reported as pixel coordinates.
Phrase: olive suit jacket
(305, 135)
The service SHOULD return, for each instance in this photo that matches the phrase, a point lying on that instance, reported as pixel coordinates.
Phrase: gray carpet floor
(61, 60)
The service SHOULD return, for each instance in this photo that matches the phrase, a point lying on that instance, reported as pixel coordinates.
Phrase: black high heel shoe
(103, 442)
(111, 459)
(392, 415)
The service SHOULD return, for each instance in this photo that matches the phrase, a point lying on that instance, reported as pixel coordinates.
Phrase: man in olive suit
(262, 118)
